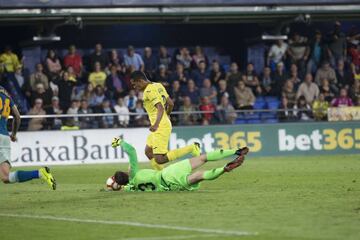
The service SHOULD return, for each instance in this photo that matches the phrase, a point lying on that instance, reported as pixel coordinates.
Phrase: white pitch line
(173, 237)
(136, 224)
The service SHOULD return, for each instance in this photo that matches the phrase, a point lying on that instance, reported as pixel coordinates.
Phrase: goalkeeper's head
(121, 178)
(139, 80)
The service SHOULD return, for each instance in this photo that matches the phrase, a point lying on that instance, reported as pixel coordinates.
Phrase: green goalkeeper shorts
(175, 176)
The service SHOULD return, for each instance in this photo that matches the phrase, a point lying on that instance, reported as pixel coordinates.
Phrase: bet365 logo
(327, 139)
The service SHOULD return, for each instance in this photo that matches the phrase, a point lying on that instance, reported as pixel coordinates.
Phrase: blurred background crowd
(303, 77)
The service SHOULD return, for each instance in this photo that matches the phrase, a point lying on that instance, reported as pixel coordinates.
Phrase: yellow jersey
(156, 93)
(9, 62)
(97, 78)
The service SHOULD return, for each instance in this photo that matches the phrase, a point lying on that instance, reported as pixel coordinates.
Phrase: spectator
(9, 61)
(316, 55)
(19, 77)
(66, 88)
(98, 56)
(39, 77)
(337, 46)
(294, 76)
(192, 92)
(216, 73)
(223, 91)
(320, 107)
(279, 77)
(276, 54)
(41, 93)
(164, 57)
(184, 58)
(289, 92)
(207, 106)
(69, 125)
(302, 109)
(140, 119)
(226, 111)
(251, 80)
(343, 76)
(161, 76)
(355, 57)
(187, 117)
(130, 100)
(208, 91)
(233, 76)
(200, 74)
(72, 75)
(54, 109)
(74, 108)
(98, 77)
(355, 90)
(97, 98)
(150, 61)
(107, 121)
(85, 122)
(133, 59)
(308, 89)
(53, 64)
(326, 71)
(267, 83)
(74, 60)
(343, 100)
(115, 61)
(298, 51)
(287, 114)
(326, 90)
(121, 109)
(175, 94)
(199, 56)
(179, 75)
(114, 84)
(87, 92)
(36, 124)
(245, 98)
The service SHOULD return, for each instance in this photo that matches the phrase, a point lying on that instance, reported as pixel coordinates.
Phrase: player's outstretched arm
(16, 123)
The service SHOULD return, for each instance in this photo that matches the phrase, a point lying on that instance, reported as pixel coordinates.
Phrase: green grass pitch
(304, 197)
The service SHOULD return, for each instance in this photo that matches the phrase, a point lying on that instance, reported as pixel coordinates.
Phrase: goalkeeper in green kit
(176, 177)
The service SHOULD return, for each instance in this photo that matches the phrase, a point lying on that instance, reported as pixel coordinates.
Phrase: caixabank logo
(320, 139)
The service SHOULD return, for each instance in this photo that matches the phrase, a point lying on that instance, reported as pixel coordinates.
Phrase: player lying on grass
(176, 177)
(7, 106)
(158, 106)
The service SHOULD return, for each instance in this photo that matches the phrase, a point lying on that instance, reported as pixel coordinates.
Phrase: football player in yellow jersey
(158, 106)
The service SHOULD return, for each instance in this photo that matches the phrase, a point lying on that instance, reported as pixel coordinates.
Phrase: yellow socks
(180, 152)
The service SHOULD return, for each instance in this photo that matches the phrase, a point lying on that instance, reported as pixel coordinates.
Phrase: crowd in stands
(306, 75)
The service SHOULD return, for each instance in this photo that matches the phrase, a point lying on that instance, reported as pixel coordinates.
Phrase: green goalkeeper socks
(219, 154)
(213, 173)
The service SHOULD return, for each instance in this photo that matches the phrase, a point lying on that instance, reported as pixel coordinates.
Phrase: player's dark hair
(121, 178)
(138, 75)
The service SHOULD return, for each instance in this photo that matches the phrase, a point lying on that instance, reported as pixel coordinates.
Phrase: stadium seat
(240, 121)
(253, 121)
(273, 104)
(259, 103)
(268, 115)
(271, 120)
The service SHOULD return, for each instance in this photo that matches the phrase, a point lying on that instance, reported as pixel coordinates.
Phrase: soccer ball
(112, 185)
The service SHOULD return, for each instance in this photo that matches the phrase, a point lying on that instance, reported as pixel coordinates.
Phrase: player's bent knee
(161, 159)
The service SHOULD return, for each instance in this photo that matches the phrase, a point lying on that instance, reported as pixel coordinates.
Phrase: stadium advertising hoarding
(121, 3)
(93, 146)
